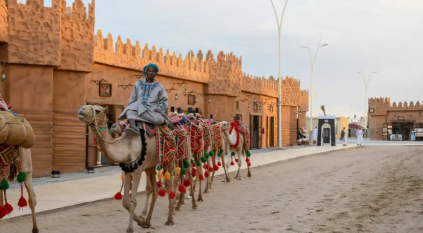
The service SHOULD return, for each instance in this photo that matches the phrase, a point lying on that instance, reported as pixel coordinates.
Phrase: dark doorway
(272, 131)
(256, 132)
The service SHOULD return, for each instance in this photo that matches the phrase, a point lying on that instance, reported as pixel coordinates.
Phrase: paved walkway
(76, 189)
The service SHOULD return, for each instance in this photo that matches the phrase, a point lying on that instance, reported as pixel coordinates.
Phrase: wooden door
(251, 131)
(260, 128)
(267, 132)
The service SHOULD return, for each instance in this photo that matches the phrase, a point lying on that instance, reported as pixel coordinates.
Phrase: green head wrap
(151, 65)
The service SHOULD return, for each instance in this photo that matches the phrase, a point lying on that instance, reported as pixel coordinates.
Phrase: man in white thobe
(344, 137)
(359, 137)
(315, 133)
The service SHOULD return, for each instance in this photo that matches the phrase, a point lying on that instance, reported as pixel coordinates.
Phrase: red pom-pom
(201, 177)
(162, 192)
(118, 196)
(247, 160)
(236, 160)
(159, 184)
(249, 164)
(211, 169)
(216, 168)
(130, 195)
(9, 208)
(232, 163)
(187, 183)
(182, 189)
(3, 211)
(172, 195)
(22, 202)
(194, 173)
(206, 174)
(219, 164)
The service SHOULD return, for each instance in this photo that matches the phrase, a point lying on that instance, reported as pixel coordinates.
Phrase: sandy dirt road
(368, 189)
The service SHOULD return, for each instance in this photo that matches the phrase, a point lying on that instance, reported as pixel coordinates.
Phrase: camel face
(87, 113)
(224, 125)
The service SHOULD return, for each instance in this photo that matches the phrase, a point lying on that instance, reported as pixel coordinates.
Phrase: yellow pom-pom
(178, 170)
(167, 176)
(121, 178)
(160, 176)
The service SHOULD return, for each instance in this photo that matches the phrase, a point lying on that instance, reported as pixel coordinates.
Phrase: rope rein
(96, 128)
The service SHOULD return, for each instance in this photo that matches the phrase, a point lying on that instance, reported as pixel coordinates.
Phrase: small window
(237, 104)
(191, 99)
(372, 110)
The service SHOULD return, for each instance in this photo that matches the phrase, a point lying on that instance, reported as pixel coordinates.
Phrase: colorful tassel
(178, 170)
(232, 163)
(187, 183)
(162, 192)
(203, 159)
(22, 202)
(160, 175)
(21, 177)
(9, 208)
(236, 160)
(3, 212)
(232, 153)
(159, 184)
(216, 167)
(4, 185)
(186, 164)
(206, 174)
(167, 175)
(221, 151)
(198, 163)
(219, 154)
(206, 155)
(249, 164)
(194, 173)
(248, 153)
(182, 189)
(247, 160)
(172, 195)
(219, 164)
(118, 196)
(201, 176)
(211, 169)
(211, 153)
(183, 171)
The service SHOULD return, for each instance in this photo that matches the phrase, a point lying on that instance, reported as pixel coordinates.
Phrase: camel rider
(147, 103)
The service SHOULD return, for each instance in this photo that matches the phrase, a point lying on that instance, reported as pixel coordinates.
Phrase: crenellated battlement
(127, 56)
(260, 85)
(380, 106)
(78, 11)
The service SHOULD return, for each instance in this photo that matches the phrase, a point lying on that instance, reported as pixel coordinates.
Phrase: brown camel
(126, 151)
(26, 166)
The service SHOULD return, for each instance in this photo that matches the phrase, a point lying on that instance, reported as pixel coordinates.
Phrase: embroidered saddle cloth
(8, 154)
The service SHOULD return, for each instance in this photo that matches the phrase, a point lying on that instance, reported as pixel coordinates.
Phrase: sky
(384, 36)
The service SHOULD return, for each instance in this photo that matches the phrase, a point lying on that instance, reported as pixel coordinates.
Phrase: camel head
(224, 125)
(93, 114)
(119, 127)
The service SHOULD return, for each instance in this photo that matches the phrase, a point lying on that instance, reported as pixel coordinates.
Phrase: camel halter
(94, 125)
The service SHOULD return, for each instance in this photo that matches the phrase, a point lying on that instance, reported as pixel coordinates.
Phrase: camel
(26, 166)
(118, 128)
(127, 151)
(241, 150)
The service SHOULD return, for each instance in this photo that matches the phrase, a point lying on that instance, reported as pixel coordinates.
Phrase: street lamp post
(279, 23)
(366, 85)
(313, 62)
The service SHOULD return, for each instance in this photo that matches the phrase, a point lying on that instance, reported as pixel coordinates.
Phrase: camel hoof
(129, 230)
(35, 230)
(194, 207)
(178, 208)
(146, 225)
(240, 178)
(206, 191)
(249, 175)
(200, 199)
(170, 223)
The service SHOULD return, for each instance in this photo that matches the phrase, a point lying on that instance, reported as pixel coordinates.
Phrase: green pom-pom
(186, 164)
(203, 159)
(211, 153)
(206, 155)
(21, 177)
(198, 163)
(4, 185)
(232, 153)
(192, 161)
(219, 154)
(158, 168)
(221, 151)
(183, 172)
(248, 153)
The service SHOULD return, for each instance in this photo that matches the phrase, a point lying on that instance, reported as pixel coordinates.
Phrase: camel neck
(110, 148)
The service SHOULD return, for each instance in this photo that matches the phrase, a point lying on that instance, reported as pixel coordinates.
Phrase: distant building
(386, 118)
(340, 123)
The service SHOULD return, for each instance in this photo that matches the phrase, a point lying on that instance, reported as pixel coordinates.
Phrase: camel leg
(248, 167)
(238, 174)
(200, 195)
(151, 176)
(214, 164)
(194, 203)
(130, 204)
(225, 169)
(148, 192)
(169, 221)
(206, 190)
(1, 193)
(32, 201)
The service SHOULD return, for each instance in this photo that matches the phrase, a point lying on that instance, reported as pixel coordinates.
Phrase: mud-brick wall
(30, 91)
(376, 129)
